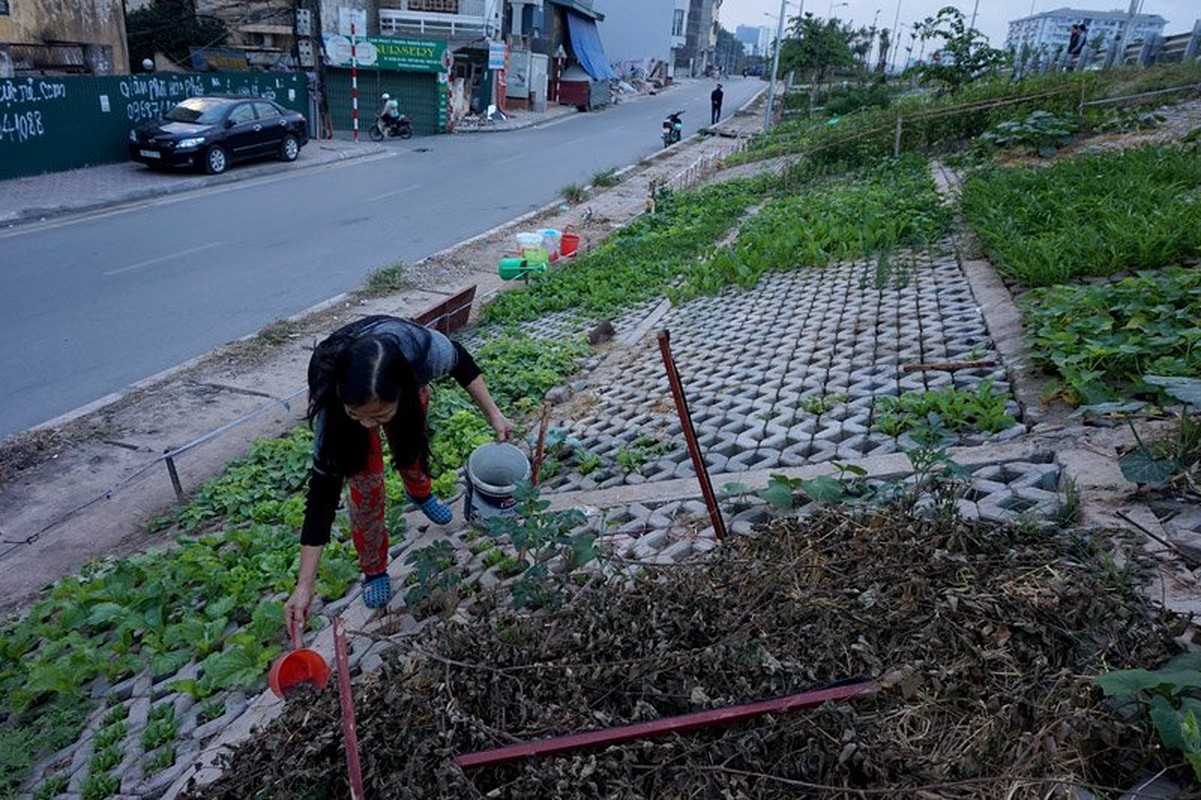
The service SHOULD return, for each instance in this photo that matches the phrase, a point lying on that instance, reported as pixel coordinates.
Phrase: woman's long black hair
(353, 367)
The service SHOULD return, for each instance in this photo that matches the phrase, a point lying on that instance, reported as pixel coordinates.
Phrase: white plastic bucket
(528, 240)
(550, 240)
(493, 472)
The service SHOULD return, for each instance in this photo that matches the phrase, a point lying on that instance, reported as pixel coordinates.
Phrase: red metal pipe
(353, 768)
(694, 448)
(659, 727)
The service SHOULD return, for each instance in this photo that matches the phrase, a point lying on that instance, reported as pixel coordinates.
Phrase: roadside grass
(1088, 216)
(605, 178)
(1101, 339)
(639, 261)
(940, 124)
(890, 206)
(574, 193)
(385, 281)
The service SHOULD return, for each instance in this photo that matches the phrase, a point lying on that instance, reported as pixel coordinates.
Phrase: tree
(172, 30)
(729, 51)
(964, 56)
(816, 46)
(885, 46)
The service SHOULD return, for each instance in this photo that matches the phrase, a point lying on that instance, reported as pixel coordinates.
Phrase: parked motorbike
(673, 128)
(400, 126)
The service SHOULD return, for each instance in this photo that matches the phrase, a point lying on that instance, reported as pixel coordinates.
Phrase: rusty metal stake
(175, 484)
(353, 768)
(540, 448)
(659, 727)
(694, 448)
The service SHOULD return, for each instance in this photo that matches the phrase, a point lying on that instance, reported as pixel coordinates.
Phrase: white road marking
(402, 190)
(161, 259)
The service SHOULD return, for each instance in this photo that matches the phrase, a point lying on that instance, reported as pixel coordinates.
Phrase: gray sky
(992, 16)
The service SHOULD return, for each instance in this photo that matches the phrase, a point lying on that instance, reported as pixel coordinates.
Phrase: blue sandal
(377, 590)
(438, 512)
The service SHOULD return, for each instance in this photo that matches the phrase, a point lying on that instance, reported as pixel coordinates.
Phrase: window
(242, 113)
(677, 24)
(438, 6)
(4, 8)
(265, 110)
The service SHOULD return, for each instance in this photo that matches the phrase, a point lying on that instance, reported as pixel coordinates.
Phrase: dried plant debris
(989, 634)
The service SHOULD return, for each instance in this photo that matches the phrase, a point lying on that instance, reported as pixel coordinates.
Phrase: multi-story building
(263, 31)
(755, 38)
(1048, 32)
(700, 38)
(50, 37)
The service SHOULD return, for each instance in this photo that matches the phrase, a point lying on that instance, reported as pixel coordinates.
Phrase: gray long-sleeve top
(431, 355)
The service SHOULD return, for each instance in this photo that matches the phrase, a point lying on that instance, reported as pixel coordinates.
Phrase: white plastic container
(550, 240)
(530, 247)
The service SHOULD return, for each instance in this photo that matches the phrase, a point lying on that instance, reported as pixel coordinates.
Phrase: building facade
(696, 57)
(1048, 32)
(756, 39)
(50, 37)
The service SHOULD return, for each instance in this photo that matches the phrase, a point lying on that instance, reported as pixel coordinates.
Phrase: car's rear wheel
(289, 148)
(215, 160)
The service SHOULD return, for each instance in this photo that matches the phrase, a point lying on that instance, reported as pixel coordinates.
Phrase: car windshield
(198, 110)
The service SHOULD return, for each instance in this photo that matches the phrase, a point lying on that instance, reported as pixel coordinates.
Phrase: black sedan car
(213, 132)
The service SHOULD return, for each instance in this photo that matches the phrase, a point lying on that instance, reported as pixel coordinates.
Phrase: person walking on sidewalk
(715, 99)
(368, 376)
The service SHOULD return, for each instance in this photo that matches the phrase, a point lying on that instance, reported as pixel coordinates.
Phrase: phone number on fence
(21, 127)
(140, 110)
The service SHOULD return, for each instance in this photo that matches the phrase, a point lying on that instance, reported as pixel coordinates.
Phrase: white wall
(636, 30)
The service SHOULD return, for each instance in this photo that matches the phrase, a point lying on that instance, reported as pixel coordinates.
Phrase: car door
(275, 125)
(243, 133)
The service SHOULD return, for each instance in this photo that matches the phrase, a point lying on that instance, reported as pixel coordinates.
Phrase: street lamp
(833, 5)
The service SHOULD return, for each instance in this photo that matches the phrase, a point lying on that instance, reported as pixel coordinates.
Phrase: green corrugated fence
(51, 124)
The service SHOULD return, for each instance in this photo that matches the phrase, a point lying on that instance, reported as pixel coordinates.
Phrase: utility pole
(775, 65)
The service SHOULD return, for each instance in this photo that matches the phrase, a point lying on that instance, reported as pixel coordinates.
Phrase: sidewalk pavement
(38, 197)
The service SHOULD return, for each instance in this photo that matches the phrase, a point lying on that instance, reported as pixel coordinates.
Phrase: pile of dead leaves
(989, 636)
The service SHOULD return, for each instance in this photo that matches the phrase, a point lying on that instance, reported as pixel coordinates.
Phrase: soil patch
(985, 638)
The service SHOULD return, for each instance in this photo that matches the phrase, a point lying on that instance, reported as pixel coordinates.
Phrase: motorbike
(673, 128)
(400, 126)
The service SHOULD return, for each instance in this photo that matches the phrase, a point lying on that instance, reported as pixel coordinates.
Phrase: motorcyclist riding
(390, 110)
(390, 121)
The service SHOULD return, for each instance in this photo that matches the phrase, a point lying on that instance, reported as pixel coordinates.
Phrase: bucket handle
(569, 228)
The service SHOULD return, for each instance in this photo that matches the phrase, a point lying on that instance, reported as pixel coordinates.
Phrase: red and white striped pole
(354, 82)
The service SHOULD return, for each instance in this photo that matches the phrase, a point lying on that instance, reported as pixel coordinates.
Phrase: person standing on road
(367, 376)
(715, 99)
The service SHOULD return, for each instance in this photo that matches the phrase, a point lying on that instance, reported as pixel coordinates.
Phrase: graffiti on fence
(43, 118)
(18, 122)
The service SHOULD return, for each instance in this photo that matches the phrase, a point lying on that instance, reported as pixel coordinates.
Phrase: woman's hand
(502, 426)
(296, 610)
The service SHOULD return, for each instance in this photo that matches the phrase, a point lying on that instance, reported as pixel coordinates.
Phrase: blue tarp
(586, 43)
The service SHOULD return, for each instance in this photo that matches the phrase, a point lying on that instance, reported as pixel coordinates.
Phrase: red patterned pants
(368, 527)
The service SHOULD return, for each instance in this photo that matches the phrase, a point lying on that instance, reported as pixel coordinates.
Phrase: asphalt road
(95, 303)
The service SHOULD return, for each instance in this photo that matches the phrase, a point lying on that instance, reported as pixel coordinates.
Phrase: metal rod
(659, 727)
(175, 484)
(353, 768)
(694, 448)
(775, 65)
(540, 448)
